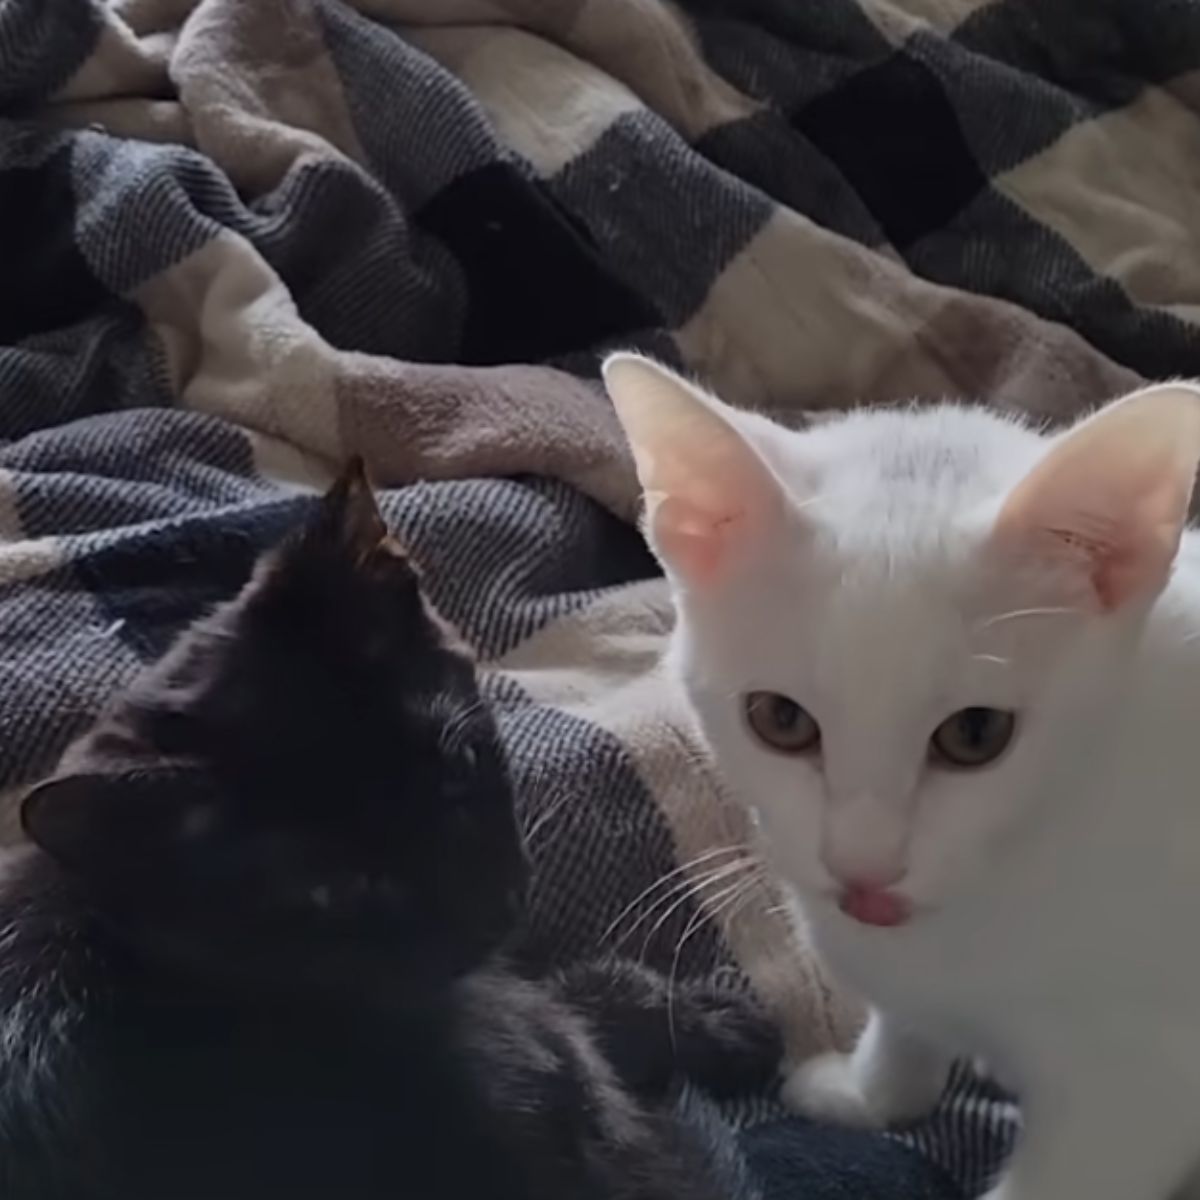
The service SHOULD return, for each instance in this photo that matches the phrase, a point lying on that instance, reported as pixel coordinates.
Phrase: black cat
(254, 950)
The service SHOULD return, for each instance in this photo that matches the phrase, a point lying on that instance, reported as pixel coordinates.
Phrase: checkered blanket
(240, 239)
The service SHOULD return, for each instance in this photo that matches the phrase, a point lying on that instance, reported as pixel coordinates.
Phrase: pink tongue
(874, 906)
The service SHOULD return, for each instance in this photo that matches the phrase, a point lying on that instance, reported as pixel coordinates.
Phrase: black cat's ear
(121, 823)
(349, 520)
(349, 516)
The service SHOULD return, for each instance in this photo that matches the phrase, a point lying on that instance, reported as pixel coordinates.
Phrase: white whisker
(1021, 613)
(663, 880)
(548, 814)
(451, 732)
(801, 505)
(705, 913)
(665, 907)
(733, 910)
(690, 891)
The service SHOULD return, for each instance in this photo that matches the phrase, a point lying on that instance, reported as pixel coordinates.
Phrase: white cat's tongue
(875, 906)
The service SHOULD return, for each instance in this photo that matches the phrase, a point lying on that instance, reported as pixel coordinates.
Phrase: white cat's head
(898, 627)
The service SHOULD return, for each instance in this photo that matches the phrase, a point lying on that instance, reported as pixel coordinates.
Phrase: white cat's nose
(864, 840)
(875, 877)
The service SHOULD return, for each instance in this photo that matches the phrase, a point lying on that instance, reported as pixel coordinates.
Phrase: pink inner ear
(1109, 499)
(1100, 556)
(696, 541)
(1114, 520)
(709, 495)
(1109, 566)
(1116, 569)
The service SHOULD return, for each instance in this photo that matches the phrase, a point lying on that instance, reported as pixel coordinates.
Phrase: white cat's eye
(780, 723)
(973, 737)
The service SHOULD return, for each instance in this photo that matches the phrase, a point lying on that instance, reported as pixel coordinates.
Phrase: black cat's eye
(973, 737)
(780, 723)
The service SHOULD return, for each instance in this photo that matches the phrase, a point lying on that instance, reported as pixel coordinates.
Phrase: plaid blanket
(240, 239)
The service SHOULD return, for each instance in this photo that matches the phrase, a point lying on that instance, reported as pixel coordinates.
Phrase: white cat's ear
(709, 496)
(1111, 497)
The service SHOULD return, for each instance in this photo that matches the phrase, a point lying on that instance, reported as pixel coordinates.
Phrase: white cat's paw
(826, 1088)
(847, 1090)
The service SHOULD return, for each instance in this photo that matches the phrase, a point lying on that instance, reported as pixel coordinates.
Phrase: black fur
(256, 949)
(652, 1029)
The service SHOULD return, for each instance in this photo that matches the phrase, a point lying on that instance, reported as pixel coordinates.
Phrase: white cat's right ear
(709, 496)
(1109, 501)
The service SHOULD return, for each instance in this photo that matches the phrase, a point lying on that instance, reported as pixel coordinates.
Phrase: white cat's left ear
(710, 498)
(1110, 498)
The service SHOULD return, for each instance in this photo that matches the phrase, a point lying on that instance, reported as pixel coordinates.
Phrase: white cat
(954, 666)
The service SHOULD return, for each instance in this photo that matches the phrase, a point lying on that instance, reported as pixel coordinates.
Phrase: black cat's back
(257, 948)
(119, 1084)
(499, 1089)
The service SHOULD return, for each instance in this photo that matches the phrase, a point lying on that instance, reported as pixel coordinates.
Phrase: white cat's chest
(965, 988)
(1052, 967)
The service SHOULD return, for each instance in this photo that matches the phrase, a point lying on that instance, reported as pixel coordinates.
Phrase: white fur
(1056, 930)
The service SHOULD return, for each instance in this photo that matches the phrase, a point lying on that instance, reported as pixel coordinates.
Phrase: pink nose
(871, 878)
(857, 865)
(875, 906)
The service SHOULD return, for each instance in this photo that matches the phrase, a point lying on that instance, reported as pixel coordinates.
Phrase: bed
(242, 239)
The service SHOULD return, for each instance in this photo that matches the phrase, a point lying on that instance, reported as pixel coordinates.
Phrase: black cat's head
(307, 788)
